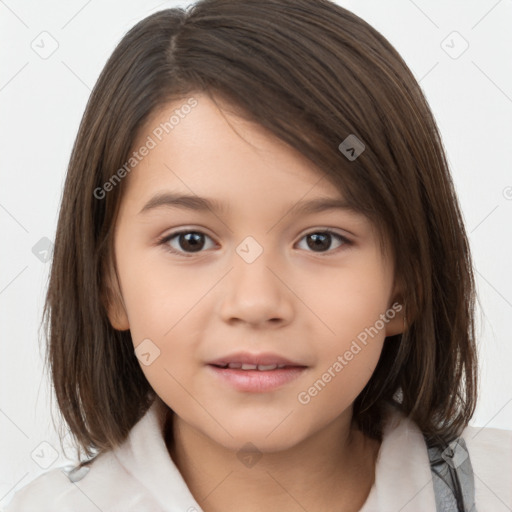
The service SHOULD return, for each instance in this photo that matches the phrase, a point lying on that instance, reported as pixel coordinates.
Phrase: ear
(112, 300)
(396, 312)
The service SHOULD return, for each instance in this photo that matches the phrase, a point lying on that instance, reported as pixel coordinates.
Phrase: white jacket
(140, 476)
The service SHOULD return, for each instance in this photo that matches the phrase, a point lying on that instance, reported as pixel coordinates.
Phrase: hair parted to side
(312, 73)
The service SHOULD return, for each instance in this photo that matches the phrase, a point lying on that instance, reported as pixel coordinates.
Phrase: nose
(256, 293)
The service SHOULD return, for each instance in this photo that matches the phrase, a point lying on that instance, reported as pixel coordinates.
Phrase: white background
(42, 102)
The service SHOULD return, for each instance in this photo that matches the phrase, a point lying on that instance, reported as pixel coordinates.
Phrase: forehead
(210, 150)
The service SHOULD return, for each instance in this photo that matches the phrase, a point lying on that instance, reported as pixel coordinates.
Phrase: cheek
(162, 305)
(346, 363)
(350, 307)
(159, 297)
(350, 303)
(335, 387)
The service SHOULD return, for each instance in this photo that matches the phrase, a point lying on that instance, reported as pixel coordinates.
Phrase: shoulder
(41, 493)
(103, 484)
(490, 452)
(404, 447)
(48, 491)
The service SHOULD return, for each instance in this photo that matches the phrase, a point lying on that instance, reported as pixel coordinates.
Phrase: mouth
(259, 367)
(255, 373)
(251, 361)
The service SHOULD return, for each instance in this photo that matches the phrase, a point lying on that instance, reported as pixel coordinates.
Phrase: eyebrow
(196, 203)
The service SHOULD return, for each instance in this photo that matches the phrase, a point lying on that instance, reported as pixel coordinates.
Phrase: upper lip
(266, 358)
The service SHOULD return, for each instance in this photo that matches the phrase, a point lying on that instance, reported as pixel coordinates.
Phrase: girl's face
(252, 275)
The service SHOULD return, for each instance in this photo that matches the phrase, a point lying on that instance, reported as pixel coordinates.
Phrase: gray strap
(452, 476)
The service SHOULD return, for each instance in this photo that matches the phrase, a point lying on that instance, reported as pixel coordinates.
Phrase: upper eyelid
(203, 231)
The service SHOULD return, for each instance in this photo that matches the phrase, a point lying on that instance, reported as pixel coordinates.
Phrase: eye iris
(193, 241)
(320, 240)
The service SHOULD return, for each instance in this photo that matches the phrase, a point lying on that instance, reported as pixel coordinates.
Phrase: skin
(307, 305)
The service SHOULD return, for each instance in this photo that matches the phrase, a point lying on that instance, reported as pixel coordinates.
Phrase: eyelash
(167, 238)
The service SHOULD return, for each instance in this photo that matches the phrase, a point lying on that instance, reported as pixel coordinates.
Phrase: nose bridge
(254, 293)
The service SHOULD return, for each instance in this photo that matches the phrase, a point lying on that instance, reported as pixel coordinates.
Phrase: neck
(331, 470)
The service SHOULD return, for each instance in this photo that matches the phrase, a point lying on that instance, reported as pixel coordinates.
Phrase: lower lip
(257, 381)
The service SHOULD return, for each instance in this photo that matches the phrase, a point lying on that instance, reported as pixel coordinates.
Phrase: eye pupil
(320, 241)
(194, 241)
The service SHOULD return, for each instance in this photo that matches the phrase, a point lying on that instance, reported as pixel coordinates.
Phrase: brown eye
(321, 241)
(185, 242)
(191, 241)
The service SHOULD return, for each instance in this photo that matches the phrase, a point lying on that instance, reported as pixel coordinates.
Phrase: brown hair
(312, 73)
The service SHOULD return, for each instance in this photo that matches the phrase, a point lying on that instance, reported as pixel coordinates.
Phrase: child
(207, 351)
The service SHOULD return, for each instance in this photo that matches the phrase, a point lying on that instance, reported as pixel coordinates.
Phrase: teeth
(264, 367)
(260, 367)
(249, 366)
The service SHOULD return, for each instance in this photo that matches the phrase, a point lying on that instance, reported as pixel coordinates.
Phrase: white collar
(403, 479)
(144, 454)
